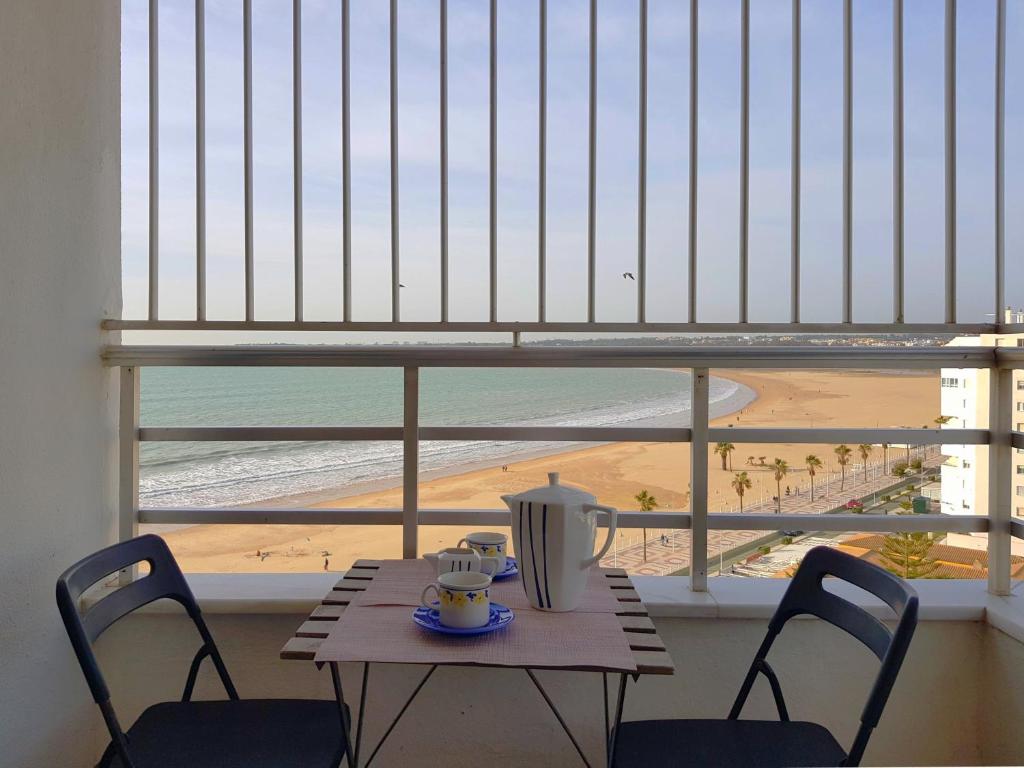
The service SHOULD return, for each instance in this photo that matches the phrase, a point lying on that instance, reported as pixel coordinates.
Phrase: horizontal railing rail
(558, 356)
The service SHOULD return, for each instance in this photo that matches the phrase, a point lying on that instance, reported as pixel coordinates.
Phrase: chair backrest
(807, 595)
(164, 580)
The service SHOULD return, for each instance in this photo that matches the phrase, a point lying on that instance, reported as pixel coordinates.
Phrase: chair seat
(725, 743)
(277, 733)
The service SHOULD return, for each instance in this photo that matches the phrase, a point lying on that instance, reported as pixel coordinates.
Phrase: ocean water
(234, 473)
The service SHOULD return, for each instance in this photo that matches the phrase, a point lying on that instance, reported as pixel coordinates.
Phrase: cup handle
(461, 541)
(491, 562)
(423, 597)
(612, 521)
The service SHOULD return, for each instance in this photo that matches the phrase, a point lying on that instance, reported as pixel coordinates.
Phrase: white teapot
(553, 531)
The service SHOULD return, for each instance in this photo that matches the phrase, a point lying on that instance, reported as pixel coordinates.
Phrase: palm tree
(885, 458)
(781, 469)
(843, 457)
(761, 460)
(741, 484)
(750, 461)
(865, 450)
(813, 465)
(725, 451)
(647, 504)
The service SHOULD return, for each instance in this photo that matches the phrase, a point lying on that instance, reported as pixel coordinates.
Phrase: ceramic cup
(489, 544)
(456, 559)
(464, 599)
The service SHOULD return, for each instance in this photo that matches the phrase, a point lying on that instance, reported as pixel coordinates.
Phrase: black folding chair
(735, 742)
(256, 732)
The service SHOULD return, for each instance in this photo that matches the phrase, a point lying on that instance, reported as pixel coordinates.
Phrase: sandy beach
(615, 473)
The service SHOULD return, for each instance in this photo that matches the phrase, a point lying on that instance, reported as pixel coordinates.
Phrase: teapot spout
(431, 557)
(510, 500)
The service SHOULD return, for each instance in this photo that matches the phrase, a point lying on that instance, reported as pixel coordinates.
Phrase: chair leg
(619, 705)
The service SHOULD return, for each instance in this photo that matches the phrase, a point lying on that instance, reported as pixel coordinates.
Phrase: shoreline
(614, 472)
(736, 402)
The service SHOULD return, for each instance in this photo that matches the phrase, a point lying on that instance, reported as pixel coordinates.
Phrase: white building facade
(964, 401)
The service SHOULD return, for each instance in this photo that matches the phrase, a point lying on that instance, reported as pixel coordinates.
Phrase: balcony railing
(688, 316)
(999, 436)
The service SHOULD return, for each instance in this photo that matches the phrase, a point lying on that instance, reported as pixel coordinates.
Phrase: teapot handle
(612, 521)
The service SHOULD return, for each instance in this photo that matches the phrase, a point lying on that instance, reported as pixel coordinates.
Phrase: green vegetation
(781, 469)
(906, 555)
(725, 451)
(647, 504)
(741, 483)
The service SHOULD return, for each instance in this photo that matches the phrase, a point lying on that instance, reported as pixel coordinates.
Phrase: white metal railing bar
(720, 521)
(154, 160)
(898, 240)
(407, 326)
(492, 179)
(699, 391)
(410, 461)
(1017, 528)
(250, 308)
(297, 150)
(200, 159)
(443, 110)
(801, 358)
(744, 160)
(396, 311)
(128, 462)
(794, 176)
(1000, 479)
(542, 161)
(1000, 155)
(1010, 357)
(592, 168)
(692, 203)
(778, 435)
(951, 161)
(847, 161)
(346, 166)
(641, 187)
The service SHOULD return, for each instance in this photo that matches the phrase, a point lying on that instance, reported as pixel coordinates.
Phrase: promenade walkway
(668, 550)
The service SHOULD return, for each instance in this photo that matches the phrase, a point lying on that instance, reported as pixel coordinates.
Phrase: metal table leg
(618, 717)
(345, 724)
(558, 716)
(399, 716)
(362, 709)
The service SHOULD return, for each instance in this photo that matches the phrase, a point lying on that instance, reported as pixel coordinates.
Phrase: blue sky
(718, 196)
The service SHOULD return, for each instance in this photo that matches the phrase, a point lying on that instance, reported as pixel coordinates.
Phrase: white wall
(957, 702)
(59, 276)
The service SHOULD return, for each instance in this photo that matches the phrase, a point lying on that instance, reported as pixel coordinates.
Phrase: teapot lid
(554, 493)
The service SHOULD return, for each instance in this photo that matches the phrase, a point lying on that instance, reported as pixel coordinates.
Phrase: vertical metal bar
(1000, 479)
(154, 160)
(410, 462)
(744, 159)
(794, 178)
(297, 149)
(346, 170)
(128, 463)
(1000, 161)
(951, 161)
(898, 289)
(247, 131)
(395, 276)
(443, 98)
(592, 171)
(692, 234)
(493, 171)
(641, 237)
(542, 171)
(847, 161)
(200, 159)
(699, 480)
